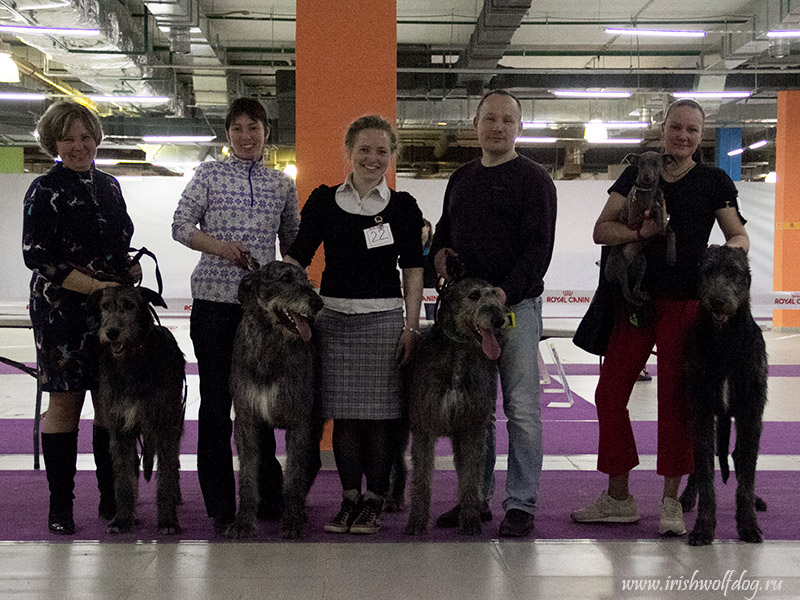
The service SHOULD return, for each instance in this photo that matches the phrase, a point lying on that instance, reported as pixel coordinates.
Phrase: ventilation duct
(497, 23)
(189, 35)
(113, 62)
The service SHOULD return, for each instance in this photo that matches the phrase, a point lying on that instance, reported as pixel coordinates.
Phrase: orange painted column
(346, 67)
(346, 53)
(786, 277)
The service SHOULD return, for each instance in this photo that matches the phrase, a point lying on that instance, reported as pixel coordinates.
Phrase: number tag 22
(380, 235)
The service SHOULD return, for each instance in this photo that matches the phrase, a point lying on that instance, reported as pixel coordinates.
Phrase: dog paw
(168, 529)
(701, 537)
(417, 528)
(471, 528)
(240, 530)
(751, 534)
(393, 505)
(291, 531)
(119, 525)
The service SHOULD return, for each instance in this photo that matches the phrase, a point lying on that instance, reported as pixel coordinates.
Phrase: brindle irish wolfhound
(142, 392)
(453, 391)
(726, 378)
(272, 381)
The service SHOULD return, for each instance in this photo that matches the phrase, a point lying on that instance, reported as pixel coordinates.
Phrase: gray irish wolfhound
(626, 263)
(453, 391)
(272, 381)
(142, 391)
(726, 378)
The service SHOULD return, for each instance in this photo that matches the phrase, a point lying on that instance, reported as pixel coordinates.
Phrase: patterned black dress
(71, 221)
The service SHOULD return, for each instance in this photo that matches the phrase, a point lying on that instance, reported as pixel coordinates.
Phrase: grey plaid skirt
(359, 377)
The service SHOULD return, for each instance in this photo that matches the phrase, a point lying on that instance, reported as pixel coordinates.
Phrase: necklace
(676, 176)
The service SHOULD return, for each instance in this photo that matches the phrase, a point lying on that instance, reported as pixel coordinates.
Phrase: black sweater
(351, 269)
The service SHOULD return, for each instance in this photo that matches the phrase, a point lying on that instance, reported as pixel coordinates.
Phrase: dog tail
(148, 455)
(723, 444)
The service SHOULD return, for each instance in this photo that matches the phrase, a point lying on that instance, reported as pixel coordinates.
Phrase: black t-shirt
(691, 203)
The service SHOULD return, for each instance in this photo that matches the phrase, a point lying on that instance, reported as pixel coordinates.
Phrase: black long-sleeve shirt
(351, 269)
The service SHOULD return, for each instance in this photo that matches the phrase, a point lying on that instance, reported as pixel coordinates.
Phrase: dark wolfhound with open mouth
(142, 383)
(272, 381)
(453, 392)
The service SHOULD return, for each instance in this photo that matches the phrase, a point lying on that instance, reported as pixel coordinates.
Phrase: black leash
(135, 260)
(145, 252)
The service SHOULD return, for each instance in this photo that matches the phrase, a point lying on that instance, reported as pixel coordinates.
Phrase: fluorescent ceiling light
(656, 32)
(536, 140)
(783, 33)
(711, 94)
(23, 97)
(588, 94)
(49, 30)
(177, 139)
(131, 99)
(736, 152)
(760, 144)
(61, 4)
(535, 124)
(621, 141)
(624, 124)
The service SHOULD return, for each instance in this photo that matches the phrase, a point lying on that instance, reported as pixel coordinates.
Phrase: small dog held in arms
(726, 378)
(272, 381)
(626, 262)
(453, 391)
(142, 391)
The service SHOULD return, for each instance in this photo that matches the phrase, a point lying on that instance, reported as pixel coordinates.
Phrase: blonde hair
(57, 120)
(369, 122)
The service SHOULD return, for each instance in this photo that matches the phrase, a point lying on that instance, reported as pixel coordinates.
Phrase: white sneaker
(671, 519)
(608, 510)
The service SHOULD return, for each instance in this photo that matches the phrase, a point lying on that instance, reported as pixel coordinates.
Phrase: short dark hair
(246, 106)
(685, 102)
(499, 92)
(57, 120)
(369, 122)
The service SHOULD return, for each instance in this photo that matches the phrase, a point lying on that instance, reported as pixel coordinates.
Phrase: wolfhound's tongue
(302, 326)
(489, 344)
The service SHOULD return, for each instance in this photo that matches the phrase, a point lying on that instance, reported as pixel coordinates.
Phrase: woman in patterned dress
(76, 233)
(231, 212)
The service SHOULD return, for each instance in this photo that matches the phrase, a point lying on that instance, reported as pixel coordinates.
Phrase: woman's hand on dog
(405, 346)
(234, 252)
(649, 226)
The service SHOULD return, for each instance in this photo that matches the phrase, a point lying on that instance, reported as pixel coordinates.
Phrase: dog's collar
(451, 335)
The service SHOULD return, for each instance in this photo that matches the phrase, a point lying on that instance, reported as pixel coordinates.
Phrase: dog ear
(455, 268)
(93, 302)
(151, 297)
(631, 158)
(246, 286)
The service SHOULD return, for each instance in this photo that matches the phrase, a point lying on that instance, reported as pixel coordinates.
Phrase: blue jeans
(519, 380)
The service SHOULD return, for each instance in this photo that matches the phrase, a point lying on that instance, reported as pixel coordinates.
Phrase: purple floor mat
(24, 515)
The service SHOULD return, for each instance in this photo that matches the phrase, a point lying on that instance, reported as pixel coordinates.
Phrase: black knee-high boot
(60, 451)
(105, 472)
